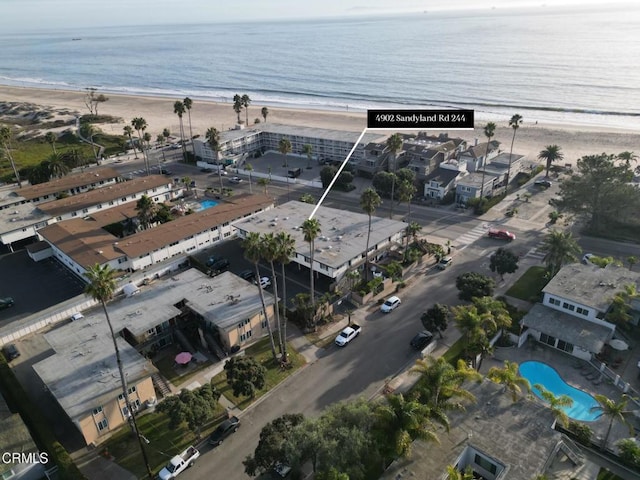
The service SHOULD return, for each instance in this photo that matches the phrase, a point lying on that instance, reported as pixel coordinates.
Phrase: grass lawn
(163, 442)
(261, 351)
(455, 351)
(166, 367)
(529, 285)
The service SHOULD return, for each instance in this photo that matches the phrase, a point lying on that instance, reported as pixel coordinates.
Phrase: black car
(543, 183)
(10, 352)
(247, 275)
(212, 259)
(6, 302)
(225, 429)
(164, 171)
(219, 266)
(421, 340)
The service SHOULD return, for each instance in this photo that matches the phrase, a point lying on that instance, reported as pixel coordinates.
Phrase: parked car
(219, 266)
(281, 469)
(206, 170)
(10, 352)
(76, 316)
(586, 258)
(265, 282)
(444, 263)
(235, 180)
(6, 302)
(390, 303)
(226, 428)
(421, 340)
(348, 334)
(543, 182)
(247, 275)
(164, 171)
(179, 463)
(502, 235)
(212, 259)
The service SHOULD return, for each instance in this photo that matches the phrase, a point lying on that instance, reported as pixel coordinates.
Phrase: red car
(502, 235)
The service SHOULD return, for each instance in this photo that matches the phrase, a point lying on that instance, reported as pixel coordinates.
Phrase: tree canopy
(436, 318)
(245, 375)
(472, 284)
(503, 261)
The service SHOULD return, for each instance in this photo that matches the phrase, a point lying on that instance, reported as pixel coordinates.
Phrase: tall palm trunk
(312, 283)
(393, 190)
(284, 313)
(366, 253)
(144, 154)
(193, 146)
(277, 304)
(264, 311)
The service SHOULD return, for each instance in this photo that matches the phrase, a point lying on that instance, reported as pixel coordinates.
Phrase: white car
(390, 303)
(264, 282)
(586, 259)
(235, 180)
(76, 316)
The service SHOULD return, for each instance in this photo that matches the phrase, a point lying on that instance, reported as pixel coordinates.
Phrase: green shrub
(582, 432)
(629, 452)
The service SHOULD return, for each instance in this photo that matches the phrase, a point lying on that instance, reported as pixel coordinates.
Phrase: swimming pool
(204, 204)
(538, 372)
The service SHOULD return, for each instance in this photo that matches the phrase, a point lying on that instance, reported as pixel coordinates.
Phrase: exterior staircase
(161, 385)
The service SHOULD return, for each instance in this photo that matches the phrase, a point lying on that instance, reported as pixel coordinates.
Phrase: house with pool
(575, 303)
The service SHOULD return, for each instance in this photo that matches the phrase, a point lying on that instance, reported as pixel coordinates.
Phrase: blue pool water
(207, 204)
(538, 372)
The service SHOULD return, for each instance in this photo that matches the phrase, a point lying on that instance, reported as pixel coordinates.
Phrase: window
(111, 202)
(97, 410)
(102, 424)
(565, 346)
(568, 306)
(132, 389)
(227, 234)
(243, 323)
(124, 199)
(245, 336)
(485, 464)
(548, 339)
(58, 218)
(85, 210)
(74, 214)
(582, 311)
(264, 324)
(554, 301)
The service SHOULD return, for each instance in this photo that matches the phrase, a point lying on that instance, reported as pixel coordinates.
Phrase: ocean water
(548, 64)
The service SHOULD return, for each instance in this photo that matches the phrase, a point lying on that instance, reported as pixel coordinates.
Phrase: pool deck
(565, 365)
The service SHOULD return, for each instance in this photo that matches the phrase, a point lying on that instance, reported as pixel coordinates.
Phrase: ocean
(547, 64)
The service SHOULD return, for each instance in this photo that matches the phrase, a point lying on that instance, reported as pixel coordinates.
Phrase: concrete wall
(234, 336)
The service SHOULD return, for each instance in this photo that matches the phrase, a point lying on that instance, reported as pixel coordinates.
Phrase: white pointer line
(353, 149)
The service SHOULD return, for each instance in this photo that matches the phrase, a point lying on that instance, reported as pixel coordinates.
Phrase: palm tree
(263, 182)
(454, 474)
(186, 181)
(249, 168)
(441, 383)
(188, 103)
(129, 132)
(556, 404)
(632, 260)
(614, 411)
(284, 147)
(166, 133)
(514, 122)
(140, 125)
(237, 106)
(413, 228)
(401, 421)
(285, 248)
(627, 157)
(311, 230)
(489, 132)
(51, 138)
(406, 191)
(369, 201)
(147, 138)
(472, 324)
(178, 109)
(101, 287)
(265, 112)
(560, 248)
(213, 137)
(57, 167)
(269, 253)
(90, 131)
(245, 103)
(147, 210)
(6, 134)
(550, 154)
(253, 250)
(496, 309)
(394, 144)
(510, 379)
(307, 149)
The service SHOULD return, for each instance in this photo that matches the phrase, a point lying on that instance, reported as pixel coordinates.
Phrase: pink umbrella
(183, 358)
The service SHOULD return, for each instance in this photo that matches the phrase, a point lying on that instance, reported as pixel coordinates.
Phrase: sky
(29, 15)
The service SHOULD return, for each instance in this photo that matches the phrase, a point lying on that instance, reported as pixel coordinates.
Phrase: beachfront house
(473, 184)
(499, 166)
(440, 182)
(425, 153)
(477, 157)
(575, 303)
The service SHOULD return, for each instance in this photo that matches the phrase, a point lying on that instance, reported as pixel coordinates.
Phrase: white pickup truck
(179, 463)
(348, 334)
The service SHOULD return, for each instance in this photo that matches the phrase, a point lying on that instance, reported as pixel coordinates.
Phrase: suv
(421, 340)
(6, 302)
(390, 304)
(226, 428)
(10, 352)
(247, 275)
(444, 263)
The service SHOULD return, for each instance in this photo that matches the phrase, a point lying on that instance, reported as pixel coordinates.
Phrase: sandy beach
(575, 140)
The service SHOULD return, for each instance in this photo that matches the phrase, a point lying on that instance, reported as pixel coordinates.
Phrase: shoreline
(576, 140)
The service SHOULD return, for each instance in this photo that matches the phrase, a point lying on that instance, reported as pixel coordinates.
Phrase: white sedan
(390, 303)
(264, 282)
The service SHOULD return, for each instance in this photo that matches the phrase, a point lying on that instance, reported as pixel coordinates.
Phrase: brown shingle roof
(158, 237)
(66, 183)
(102, 195)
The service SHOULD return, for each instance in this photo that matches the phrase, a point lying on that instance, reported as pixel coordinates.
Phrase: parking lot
(34, 286)
(273, 163)
(297, 276)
